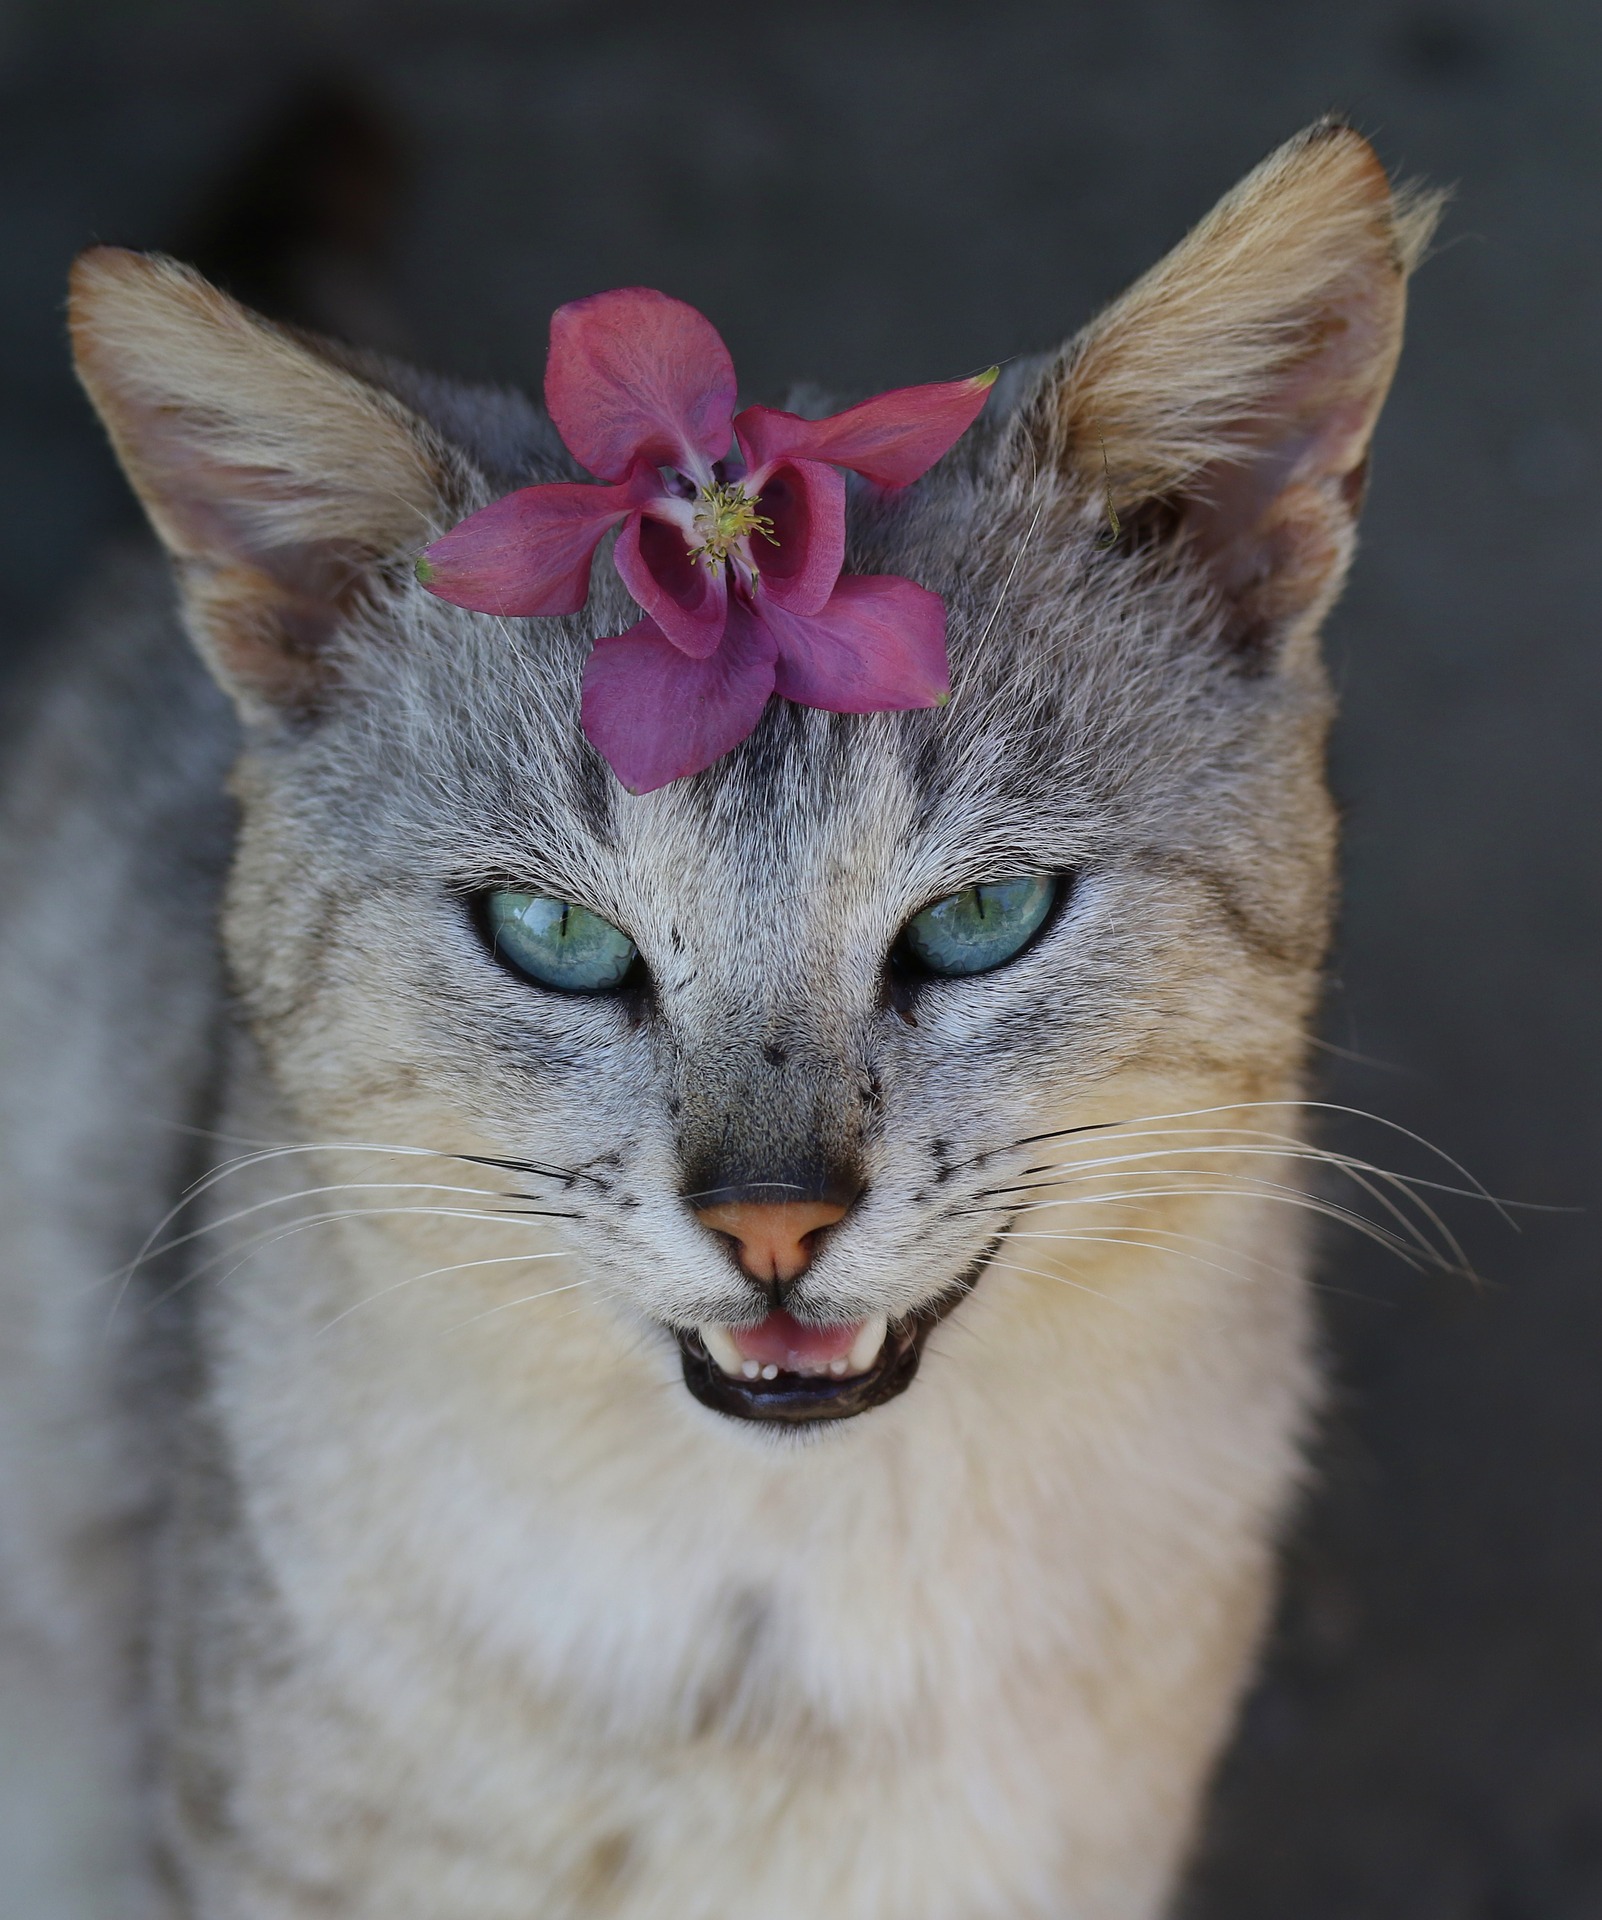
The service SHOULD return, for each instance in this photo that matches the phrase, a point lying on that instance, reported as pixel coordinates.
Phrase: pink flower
(731, 538)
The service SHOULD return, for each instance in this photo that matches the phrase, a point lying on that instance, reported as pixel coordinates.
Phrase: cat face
(777, 1037)
(1130, 764)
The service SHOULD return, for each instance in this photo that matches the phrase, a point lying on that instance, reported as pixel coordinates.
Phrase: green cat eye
(979, 928)
(558, 943)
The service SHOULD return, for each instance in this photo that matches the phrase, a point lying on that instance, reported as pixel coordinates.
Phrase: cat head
(772, 1054)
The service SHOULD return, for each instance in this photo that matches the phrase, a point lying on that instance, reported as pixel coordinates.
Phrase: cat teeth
(865, 1350)
(867, 1346)
(719, 1342)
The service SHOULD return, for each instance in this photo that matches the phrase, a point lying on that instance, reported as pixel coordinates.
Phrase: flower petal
(806, 503)
(891, 438)
(656, 715)
(879, 646)
(528, 553)
(687, 599)
(636, 375)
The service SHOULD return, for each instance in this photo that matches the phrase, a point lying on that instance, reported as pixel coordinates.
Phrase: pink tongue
(780, 1341)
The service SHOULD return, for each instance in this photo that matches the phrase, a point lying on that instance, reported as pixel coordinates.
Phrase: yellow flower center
(725, 515)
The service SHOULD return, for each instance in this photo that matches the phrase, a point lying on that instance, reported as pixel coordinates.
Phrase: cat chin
(783, 1399)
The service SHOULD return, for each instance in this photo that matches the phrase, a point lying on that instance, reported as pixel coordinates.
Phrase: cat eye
(557, 942)
(981, 927)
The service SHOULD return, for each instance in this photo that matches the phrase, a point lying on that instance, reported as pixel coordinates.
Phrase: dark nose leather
(774, 1239)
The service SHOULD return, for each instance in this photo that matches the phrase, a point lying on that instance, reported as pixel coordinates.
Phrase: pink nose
(774, 1238)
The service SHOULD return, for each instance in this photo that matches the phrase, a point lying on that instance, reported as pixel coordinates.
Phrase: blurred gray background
(869, 194)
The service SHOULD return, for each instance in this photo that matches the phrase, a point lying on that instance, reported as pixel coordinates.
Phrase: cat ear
(276, 478)
(1230, 396)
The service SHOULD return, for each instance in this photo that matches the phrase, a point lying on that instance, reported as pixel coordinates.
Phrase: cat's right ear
(277, 479)
(1223, 408)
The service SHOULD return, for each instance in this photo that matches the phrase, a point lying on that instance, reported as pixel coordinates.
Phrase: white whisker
(526, 1299)
(1154, 1236)
(270, 1236)
(239, 1164)
(308, 1193)
(1359, 1172)
(1362, 1172)
(462, 1266)
(1265, 1191)
(1282, 1106)
(1006, 587)
(1039, 1273)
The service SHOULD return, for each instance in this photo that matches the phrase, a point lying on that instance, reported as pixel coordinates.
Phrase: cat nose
(774, 1239)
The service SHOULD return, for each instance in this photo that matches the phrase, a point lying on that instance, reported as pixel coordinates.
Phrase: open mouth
(787, 1370)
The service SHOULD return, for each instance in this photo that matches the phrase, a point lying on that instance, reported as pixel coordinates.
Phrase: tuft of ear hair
(276, 478)
(1232, 392)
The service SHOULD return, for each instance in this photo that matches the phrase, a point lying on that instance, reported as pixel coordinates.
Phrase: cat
(398, 1519)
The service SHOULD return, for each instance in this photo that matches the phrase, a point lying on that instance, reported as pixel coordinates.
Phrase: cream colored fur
(972, 1659)
(428, 1592)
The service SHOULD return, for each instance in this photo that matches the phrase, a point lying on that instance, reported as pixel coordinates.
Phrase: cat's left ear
(1226, 403)
(277, 479)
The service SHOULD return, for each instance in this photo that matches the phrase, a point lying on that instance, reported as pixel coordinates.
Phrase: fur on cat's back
(361, 1548)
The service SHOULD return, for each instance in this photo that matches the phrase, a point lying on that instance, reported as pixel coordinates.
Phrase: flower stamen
(724, 516)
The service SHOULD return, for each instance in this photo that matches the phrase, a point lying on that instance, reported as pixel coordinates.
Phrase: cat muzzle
(790, 1372)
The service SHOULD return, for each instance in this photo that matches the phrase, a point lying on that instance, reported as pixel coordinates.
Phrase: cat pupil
(557, 943)
(981, 927)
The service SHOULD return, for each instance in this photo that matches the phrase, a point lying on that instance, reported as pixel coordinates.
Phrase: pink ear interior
(1235, 388)
(273, 476)
(1274, 525)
